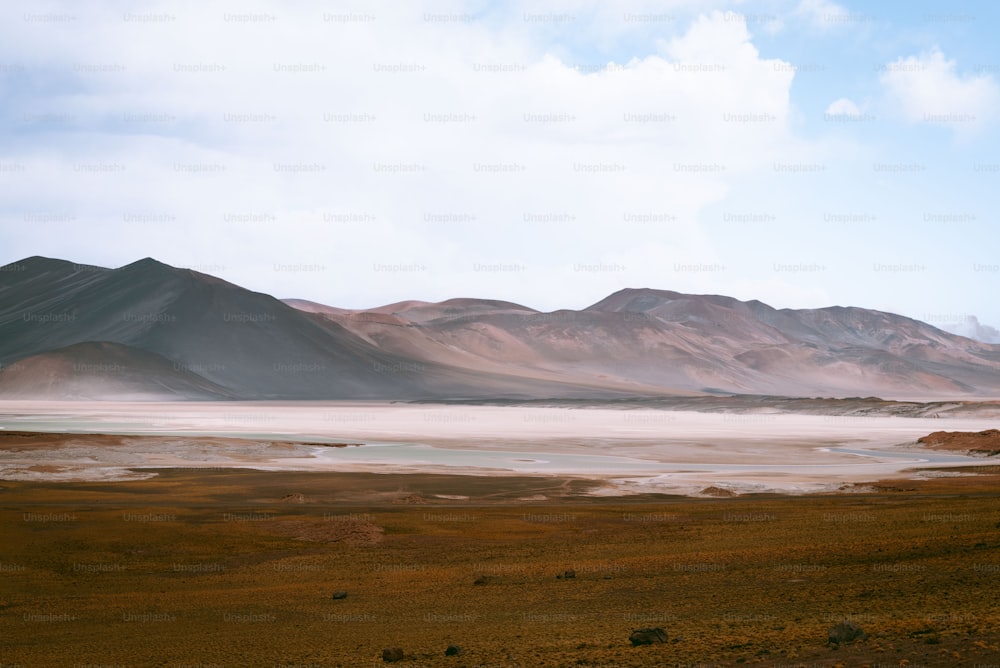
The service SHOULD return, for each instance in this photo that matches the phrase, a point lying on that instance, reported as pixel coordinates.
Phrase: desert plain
(216, 534)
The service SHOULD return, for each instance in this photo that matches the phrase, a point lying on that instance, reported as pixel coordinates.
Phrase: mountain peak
(147, 263)
(40, 263)
(152, 267)
(635, 299)
(472, 302)
(643, 300)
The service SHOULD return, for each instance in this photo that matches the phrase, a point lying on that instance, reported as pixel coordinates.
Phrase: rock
(338, 595)
(392, 654)
(481, 580)
(411, 499)
(453, 650)
(846, 632)
(569, 574)
(647, 636)
(982, 443)
(718, 492)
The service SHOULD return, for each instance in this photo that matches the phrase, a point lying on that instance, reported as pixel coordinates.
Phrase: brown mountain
(224, 340)
(691, 344)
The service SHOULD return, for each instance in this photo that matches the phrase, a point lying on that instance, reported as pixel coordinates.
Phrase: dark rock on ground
(846, 632)
(392, 654)
(647, 636)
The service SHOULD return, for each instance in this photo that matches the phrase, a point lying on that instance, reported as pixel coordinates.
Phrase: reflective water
(415, 454)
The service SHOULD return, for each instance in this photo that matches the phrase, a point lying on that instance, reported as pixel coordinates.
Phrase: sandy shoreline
(632, 451)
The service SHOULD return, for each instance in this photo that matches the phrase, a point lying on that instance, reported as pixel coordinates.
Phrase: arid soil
(238, 568)
(190, 558)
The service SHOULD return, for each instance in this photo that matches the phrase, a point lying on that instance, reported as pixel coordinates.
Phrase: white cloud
(448, 140)
(773, 26)
(843, 107)
(928, 89)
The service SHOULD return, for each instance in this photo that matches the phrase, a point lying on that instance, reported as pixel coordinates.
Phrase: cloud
(971, 328)
(407, 151)
(928, 89)
(843, 107)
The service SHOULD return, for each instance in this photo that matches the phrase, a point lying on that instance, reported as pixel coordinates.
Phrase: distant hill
(691, 344)
(104, 371)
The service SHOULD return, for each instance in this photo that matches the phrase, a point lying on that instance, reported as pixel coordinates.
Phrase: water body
(928, 457)
(417, 454)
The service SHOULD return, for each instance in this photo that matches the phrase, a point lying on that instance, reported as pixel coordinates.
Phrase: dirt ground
(237, 568)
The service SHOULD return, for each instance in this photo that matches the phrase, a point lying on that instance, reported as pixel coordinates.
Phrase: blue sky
(803, 152)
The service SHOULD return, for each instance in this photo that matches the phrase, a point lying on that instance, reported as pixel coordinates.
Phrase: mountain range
(149, 331)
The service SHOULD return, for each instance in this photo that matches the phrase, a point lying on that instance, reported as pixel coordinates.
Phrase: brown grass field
(237, 567)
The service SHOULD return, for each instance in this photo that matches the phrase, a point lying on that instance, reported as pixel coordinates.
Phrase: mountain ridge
(634, 342)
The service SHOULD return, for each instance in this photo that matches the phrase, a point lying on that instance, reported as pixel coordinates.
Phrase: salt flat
(632, 450)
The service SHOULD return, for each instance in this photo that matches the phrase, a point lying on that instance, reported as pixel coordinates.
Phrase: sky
(805, 153)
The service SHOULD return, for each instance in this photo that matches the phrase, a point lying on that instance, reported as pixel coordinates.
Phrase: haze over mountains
(972, 328)
(150, 331)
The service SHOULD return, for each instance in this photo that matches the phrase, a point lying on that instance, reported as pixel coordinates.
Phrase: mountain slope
(696, 343)
(104, 371)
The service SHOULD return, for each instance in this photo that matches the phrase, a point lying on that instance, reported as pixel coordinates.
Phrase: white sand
(634, 450)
